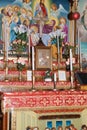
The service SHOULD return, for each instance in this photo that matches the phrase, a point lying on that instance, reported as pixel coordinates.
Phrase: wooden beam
(65, 116)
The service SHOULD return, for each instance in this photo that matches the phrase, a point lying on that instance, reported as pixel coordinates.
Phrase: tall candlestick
(54, 82)
(29, 50)
(29, 43)
(58, 49)
(54, 77)
(32, 57)
(71, 68)
(33, 76)
(78, 47)
(80, 56)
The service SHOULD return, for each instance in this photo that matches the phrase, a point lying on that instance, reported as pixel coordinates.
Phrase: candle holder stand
(33, 81)
(54, 89)
(72, 85)
(6, 71)
(29, 61)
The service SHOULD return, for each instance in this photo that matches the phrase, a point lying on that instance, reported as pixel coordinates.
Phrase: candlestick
(58, 49)
(78, 47)
(70, 59)
(71, 69)
(80, 56)
(54, 77)
(55, 82)
(33, 76)
(32, 57)
(33, 81)
(29, 43)
(29, 59)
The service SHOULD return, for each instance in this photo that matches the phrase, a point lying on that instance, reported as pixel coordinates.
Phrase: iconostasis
(40, 35)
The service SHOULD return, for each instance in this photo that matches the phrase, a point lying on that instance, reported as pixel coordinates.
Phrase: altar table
(49, 100)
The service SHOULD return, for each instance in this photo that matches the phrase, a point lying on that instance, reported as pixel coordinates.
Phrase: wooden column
(5, 120)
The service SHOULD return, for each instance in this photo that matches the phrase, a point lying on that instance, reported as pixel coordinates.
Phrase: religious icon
(43, 57)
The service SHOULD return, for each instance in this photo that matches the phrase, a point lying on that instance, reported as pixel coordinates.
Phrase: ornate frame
(43, 59)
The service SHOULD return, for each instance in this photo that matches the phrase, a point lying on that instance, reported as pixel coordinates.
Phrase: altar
(43, 106)
(41, 54)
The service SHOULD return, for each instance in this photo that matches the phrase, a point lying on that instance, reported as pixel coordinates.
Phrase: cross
(41, 20)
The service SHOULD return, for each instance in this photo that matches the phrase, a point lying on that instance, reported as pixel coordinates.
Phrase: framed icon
(43, 57)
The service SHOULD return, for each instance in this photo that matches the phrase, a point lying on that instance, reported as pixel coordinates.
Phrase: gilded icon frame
(43, 59)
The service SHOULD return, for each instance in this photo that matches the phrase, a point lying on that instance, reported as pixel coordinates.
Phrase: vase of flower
(20, 62)
(20, 67)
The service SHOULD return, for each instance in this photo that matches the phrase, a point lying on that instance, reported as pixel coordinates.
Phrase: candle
(71, 60)
(71, 68)
(29, 49)
(78, 46)
(29, 44)
(80, 53)
(32, 57)
(54, 77)
(58, 50)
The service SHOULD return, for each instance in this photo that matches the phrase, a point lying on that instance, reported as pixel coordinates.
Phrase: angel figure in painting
(27, 4)
(57, 10)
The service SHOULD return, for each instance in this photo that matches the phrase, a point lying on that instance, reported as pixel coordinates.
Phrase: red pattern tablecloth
(35, 100)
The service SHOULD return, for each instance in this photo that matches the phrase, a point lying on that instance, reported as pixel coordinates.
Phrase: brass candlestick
(33, 80)
(6, 70)
(54, 89)
(72, 85)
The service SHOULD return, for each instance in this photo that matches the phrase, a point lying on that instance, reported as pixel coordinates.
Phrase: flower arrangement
(61, 35)
(20, 43)
(20, 63)
(20, 66)
(66, 49)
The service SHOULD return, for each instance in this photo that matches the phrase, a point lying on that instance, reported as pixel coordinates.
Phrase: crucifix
(41, 21)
